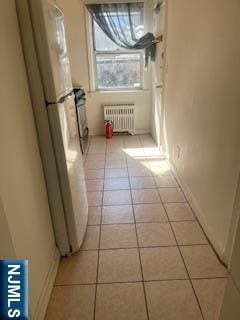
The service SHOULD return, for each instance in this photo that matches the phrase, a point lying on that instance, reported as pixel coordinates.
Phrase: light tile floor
(144, 256)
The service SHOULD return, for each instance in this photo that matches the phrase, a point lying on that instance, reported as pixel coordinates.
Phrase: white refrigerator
(49, 76)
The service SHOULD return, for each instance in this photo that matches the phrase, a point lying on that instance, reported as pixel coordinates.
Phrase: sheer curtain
(123, 24)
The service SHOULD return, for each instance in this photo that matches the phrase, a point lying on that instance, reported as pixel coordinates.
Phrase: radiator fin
(122, 117)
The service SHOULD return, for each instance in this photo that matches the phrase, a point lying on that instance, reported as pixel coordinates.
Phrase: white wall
(141, 99)
(22, 186)
(6, 244)
(75, 24)
(202, 107)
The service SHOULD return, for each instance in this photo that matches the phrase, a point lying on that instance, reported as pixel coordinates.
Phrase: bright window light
(117, 68)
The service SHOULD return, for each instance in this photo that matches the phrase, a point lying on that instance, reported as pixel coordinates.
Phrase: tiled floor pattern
(144, 255)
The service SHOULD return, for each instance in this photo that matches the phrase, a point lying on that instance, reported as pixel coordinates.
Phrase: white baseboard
(93, 132)
(40, 311)
(142, 131)
(217, 245)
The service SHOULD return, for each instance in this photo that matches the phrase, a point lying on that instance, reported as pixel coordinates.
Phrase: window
(117, 68)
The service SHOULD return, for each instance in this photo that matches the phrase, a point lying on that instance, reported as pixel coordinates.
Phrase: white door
(158, 71)
(49, 31)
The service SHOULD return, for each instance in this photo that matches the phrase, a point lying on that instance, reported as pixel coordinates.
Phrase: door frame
(165, 70)
(161, 138)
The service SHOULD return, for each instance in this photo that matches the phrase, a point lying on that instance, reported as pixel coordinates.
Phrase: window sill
(118, 91)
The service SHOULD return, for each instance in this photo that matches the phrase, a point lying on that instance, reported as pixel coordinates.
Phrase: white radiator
(122, 117)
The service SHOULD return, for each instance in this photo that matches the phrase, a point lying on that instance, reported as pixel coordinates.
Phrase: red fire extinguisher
(109, 129)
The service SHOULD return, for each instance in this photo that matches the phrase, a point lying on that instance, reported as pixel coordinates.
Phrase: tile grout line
(189, 204)
(209, 243)
(145, 222)
(99, 242)
(138, 247)
(139, 255)
(195, 294)
(189, 278)
(111, 205)
(180, 251)
(98, 252)
(147, 247)
(136, 281)
(84, 161)
(112, 223)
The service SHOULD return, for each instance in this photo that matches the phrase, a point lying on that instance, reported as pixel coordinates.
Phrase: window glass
(115, 66)
(119, 71)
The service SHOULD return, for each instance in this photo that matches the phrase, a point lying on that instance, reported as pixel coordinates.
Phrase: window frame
(122, 51)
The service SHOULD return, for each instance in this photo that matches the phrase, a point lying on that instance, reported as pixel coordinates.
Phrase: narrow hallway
(144, 255)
